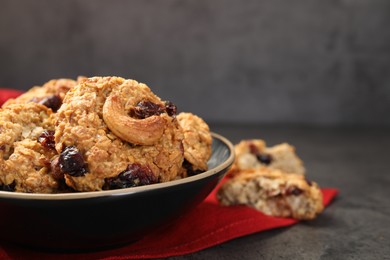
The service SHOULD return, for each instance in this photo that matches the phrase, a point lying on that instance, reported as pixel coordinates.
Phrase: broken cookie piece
(254, 153)
(273, 193)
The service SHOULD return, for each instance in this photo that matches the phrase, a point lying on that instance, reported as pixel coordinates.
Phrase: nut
(145, 131)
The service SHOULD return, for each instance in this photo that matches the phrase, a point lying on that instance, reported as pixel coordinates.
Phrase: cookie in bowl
(115, 133)
(196, 143)
(49, 94)
(26, 148)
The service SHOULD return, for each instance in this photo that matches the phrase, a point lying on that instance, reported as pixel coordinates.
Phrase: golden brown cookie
(197, 143)
(26, 148)
(273, 193)
(115, 133)
(254, 153)
(50, 94)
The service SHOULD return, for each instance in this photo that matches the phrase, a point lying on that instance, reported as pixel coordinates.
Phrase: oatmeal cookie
(255, 154)
(273, 193)
(115, 133)
(50, 94)
(26, 148)
(197, 143)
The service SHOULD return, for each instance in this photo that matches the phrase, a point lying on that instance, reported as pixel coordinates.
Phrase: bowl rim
(126, 191)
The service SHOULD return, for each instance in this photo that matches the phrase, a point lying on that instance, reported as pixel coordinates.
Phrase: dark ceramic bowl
(89, 220)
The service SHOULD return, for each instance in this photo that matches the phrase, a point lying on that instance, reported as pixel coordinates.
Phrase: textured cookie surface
(25, 153)
(197, 142)
(273, 193)
(49, 94)
(108, 133)
(254, 153)
(95, 118)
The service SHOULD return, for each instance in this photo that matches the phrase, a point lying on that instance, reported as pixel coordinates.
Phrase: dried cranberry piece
(46, 139)
(170, 108)
(146, 109)
(56, 169)
(294, 191)
(264, 158)
(190, 169)
(72, 162)
(8, 187)
(58, 175)
(253, 149)
(261, 157)
(54, 102)
(134, 175)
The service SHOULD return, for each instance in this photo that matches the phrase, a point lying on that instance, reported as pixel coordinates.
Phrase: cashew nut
(137, 131)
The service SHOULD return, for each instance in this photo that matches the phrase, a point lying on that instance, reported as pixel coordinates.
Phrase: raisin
(264, 158)
(294, 191)
(134, 175)
(310, 183)
(8, 187)
(72, 162)
(190, 169)
(46, 139)
(54, 102)
(170, 108)
(146, 109)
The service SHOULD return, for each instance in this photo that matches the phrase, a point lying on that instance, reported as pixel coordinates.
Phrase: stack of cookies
(271, 180)
(94, 134)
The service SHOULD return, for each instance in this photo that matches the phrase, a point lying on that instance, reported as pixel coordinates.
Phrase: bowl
(91, 220)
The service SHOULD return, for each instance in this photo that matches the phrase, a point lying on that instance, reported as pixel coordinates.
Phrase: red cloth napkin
(6, 94)
(207, 225)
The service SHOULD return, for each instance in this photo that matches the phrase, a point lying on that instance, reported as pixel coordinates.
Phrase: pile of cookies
(271, 180)
(94, 134)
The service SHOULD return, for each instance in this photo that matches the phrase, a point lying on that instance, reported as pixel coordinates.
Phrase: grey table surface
(355, 226)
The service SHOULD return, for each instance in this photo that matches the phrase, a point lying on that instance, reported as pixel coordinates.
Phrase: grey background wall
(298, 61)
